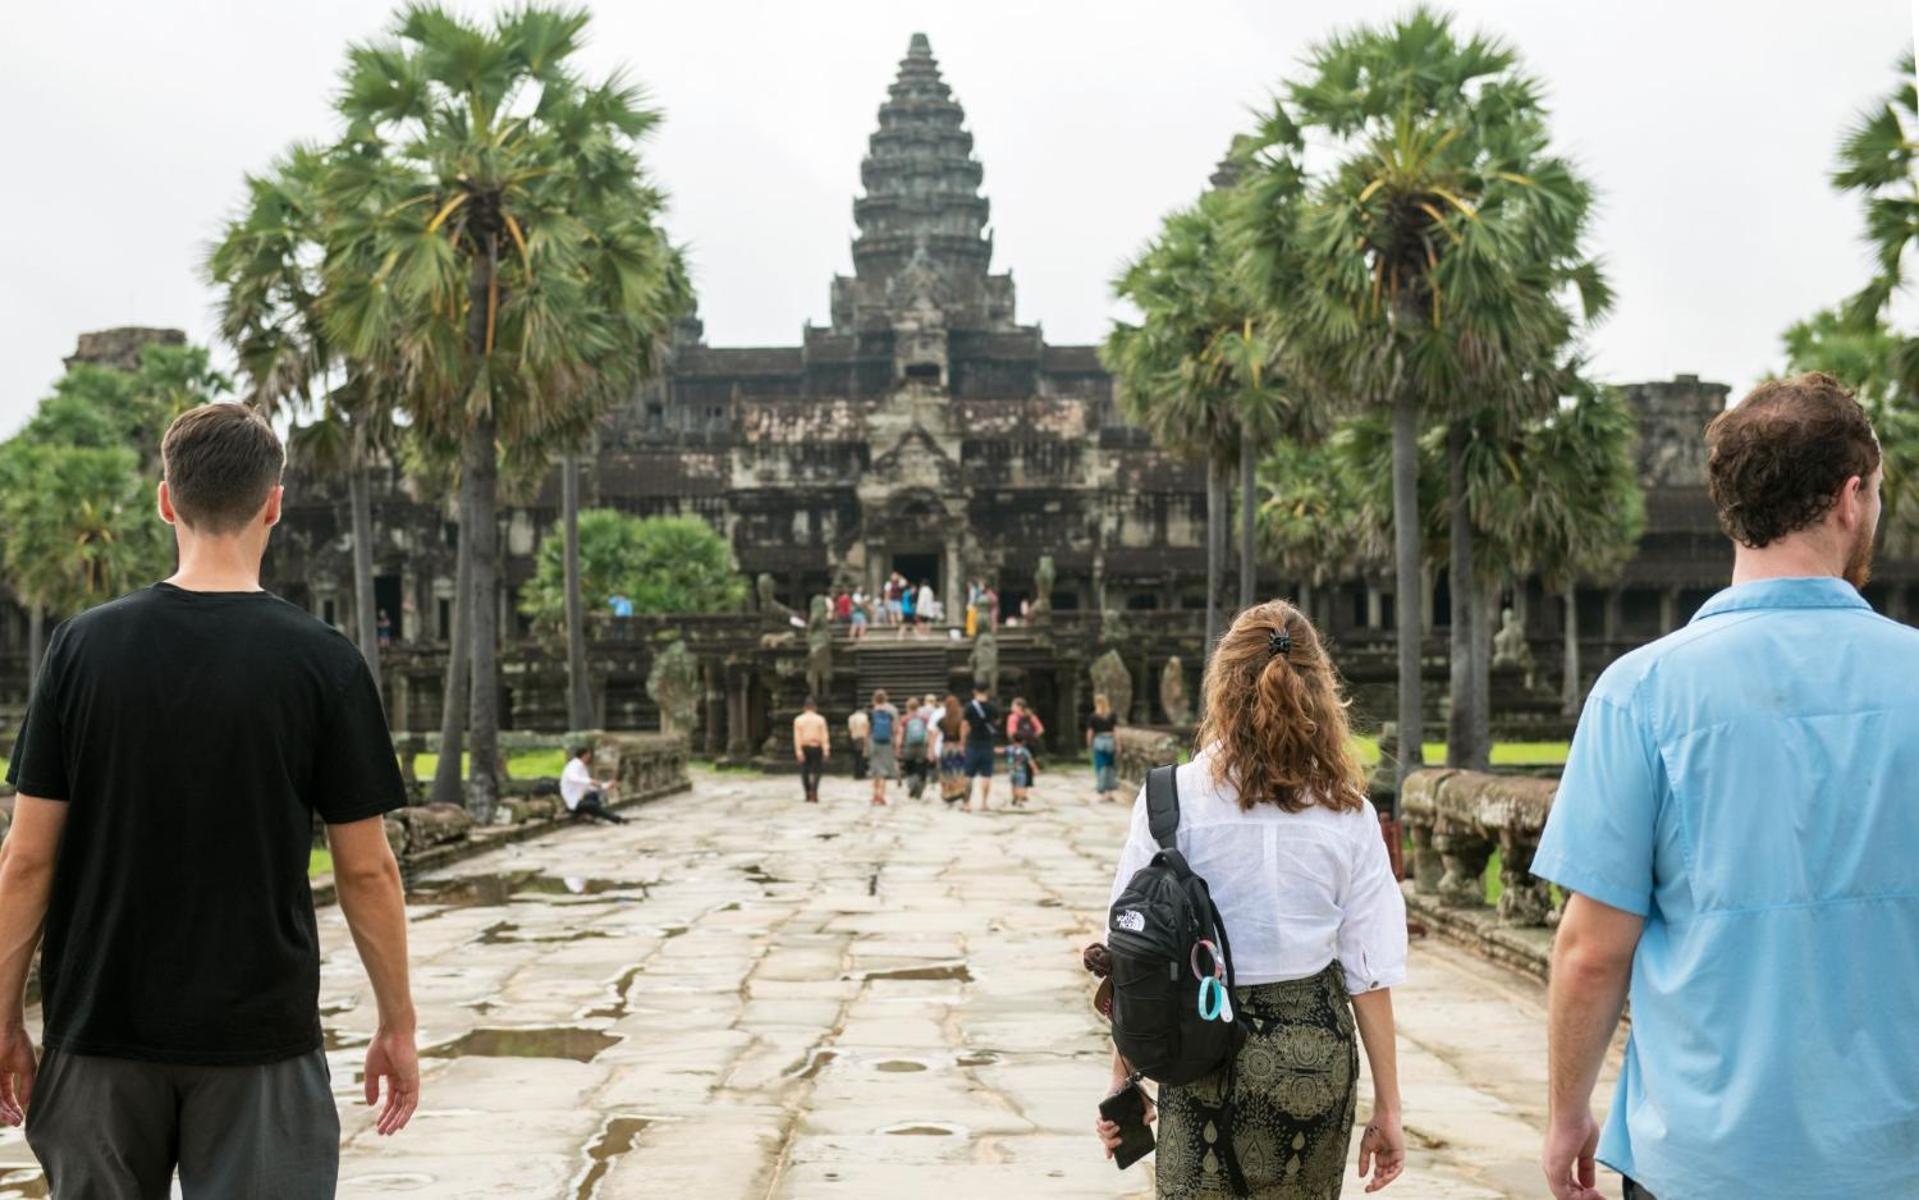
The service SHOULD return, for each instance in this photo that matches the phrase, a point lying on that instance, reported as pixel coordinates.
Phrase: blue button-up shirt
(1750, 786)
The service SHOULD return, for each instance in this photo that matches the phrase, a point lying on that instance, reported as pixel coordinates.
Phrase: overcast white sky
(1709, 126)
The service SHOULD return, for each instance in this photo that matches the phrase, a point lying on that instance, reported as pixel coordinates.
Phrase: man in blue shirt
(1738, 826)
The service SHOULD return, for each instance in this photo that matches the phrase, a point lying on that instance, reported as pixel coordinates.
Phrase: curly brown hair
(1777, 460)
(1275, 717)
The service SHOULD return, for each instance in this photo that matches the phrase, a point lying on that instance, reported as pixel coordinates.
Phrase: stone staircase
(901, 668)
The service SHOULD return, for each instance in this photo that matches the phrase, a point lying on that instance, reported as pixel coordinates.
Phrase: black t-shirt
(982, 722)
(193, 735)
(1105, 724)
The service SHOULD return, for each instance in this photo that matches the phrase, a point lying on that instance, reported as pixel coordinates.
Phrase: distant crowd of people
(927, 738)
(915, 608)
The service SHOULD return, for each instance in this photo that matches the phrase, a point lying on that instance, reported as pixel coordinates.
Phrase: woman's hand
(1108, 1131)
(1382, 1150)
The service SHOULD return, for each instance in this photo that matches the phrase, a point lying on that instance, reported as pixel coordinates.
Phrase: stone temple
(924, 429)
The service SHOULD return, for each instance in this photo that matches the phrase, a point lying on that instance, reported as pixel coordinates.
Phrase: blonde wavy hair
(1275, 716)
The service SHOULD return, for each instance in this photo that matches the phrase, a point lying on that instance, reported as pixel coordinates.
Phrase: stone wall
(1141, 749)
(1456, 819)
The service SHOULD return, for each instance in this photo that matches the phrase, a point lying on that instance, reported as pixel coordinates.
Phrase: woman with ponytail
(1274, 816)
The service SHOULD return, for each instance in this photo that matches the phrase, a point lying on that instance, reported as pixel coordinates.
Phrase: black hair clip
(1279, 642)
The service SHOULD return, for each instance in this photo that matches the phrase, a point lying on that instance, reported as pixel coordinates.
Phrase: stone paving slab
(740, 995)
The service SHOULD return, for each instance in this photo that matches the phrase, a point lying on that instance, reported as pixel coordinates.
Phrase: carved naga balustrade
(1456, 819)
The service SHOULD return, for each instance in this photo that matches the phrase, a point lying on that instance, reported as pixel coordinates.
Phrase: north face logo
(1132, 920)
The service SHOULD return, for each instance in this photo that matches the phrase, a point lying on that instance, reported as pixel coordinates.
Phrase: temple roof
(922, 220)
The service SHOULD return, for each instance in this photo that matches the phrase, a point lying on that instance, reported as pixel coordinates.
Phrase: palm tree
(1314, 520)
(268, 265)
(1877, 160)
(500, 236)
(1423, 272)
(1201, 373)
(1562, 500)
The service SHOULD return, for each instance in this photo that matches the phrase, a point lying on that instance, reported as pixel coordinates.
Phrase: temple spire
(922, 221)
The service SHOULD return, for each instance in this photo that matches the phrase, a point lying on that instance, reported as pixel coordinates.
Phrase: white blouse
(1296, 890)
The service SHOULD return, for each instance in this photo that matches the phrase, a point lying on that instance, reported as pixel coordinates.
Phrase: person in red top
(1023, 721)
(842, 605)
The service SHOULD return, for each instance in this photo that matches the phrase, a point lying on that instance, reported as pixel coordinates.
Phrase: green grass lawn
(1505, 754)
(529, 764)
(321, 863)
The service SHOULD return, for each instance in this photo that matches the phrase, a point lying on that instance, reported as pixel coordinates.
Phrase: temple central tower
(921, 258)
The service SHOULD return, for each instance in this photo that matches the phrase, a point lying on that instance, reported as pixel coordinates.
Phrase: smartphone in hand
(1126, 1108)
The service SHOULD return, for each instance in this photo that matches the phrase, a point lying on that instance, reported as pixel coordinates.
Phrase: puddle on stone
(334, 1039)
(616, 1138)
(23, 1183)
(826, 837)
(926, 1130)
(758, 874)
(482, 1007)
(1049, 902)
(978, 1058)
(811, 1066)
(580, 1045)
(334, 1010)
(391, 1181)
(899, 1066)
(733, 907)
(672, 931)
(503, 887)
(501, 933)
(948, 971)
(617, 1009)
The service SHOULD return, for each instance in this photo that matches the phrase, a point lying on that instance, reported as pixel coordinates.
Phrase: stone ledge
(1526, 949)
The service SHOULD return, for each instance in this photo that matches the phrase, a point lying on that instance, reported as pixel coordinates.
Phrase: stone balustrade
(1455, 820)
(1141, 749)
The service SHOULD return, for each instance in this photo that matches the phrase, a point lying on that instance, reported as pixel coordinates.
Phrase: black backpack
(1153, 933)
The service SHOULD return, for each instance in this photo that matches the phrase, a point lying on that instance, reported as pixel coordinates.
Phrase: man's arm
(368, 882)
(1591, 968)
(26, 881)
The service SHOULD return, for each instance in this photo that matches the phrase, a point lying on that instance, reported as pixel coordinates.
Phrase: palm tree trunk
(1215, 548)
(480, 528)
(1479, 754)
(36, 642)
(1306, 600)
(360, 500)
(447, 786)
(579, 695)
(1248, 504)
(1407, 606)
(1569, 680)
(1459, 692)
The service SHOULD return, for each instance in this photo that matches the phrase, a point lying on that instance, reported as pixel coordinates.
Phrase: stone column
(1668, 610)
(1615, 604)
(715, 709)
(1066, 731)
(1375, 606)
(737, 744)
(954, 593)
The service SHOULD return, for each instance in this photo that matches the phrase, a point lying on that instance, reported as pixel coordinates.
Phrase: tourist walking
(1021, 768)
(812, 746)
(883, 745)
(1024, 722)
(178, 746)
(842, 606)
(858, 727)
(859, 614)
(928, 607)
(583, 795)
(972, 607)
(950, 748)
(981, 718)
(908, 601)
(1273, 815)
(1736, 831)
(1102, 741)
(915, 741)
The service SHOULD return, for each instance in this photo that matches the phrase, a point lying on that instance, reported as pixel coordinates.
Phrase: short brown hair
(1276, 717)
(1776, 461)
(220, 460)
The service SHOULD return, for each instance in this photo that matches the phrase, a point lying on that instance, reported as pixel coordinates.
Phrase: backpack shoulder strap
(1162, 806)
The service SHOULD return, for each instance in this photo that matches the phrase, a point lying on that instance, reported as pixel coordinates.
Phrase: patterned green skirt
(1294, 1090)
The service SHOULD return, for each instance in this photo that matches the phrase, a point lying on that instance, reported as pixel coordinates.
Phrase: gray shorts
(882, 761)
(116, 1128)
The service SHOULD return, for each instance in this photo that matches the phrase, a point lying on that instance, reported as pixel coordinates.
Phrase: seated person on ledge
(583, 795)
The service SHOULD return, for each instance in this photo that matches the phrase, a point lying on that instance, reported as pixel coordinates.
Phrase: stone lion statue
(1041, 609)
(674, 684)
(1510, 648)
(1173, 697)
(1114, 681)
(984, 660)
(819, 647)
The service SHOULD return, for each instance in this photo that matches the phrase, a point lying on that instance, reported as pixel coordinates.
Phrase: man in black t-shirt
(179, 741)
(981, 716)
